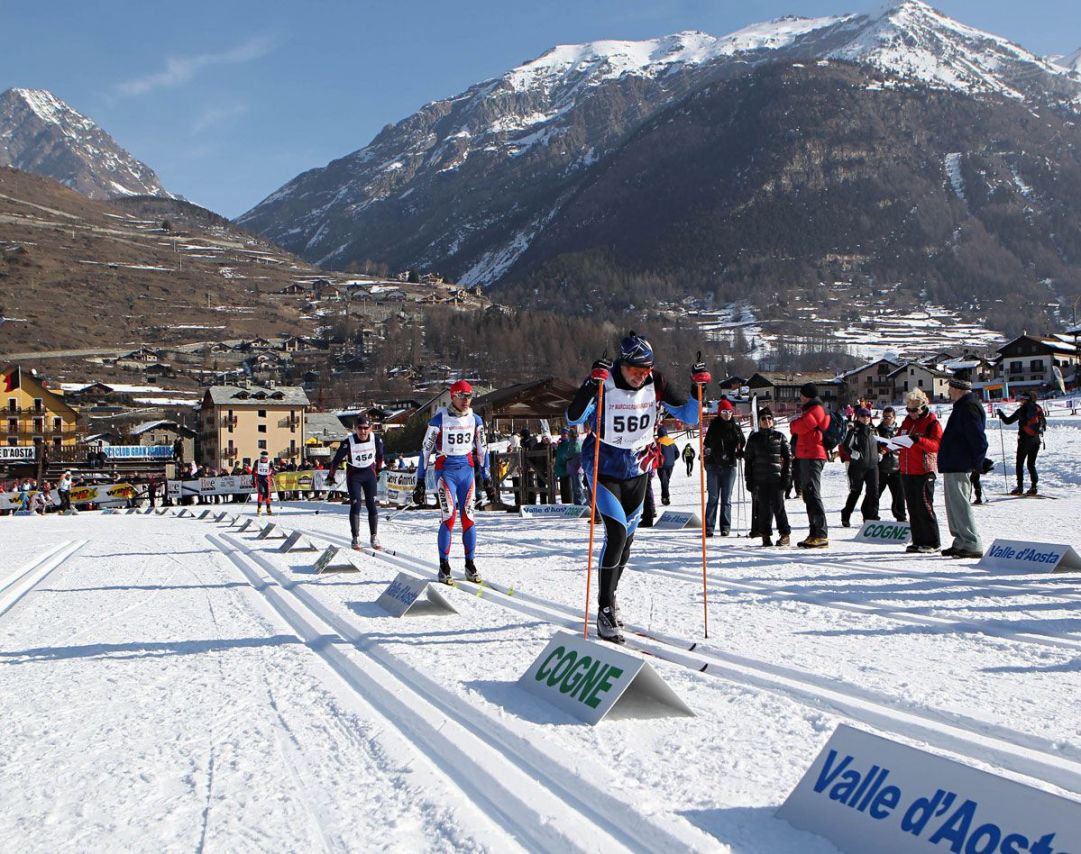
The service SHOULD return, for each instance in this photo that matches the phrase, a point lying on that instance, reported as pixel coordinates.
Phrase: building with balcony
(1029, 361)
(32, 413)
(912, 375)
(238, 422)
(870, 382)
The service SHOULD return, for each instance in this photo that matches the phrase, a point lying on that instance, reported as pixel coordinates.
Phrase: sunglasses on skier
(462, 395)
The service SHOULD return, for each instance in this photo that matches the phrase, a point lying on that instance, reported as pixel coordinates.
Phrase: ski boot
(1017, 491)
(374, 543)
(356, 544)
(616, 612)
(607, 629)
(1032, 491)
(471, 573)
(444, 571)
(258, 509)
(269, 512)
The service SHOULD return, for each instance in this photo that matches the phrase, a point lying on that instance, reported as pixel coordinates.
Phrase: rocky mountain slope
(41, 134)
(492, 184)
(77, 273)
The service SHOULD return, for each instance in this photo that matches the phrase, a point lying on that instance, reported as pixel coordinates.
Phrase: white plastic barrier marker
(670, 520)
(184, 514)
(248, 523)
(1027, 556)
(148, 511)
(403, 595)
(335, 559)
(589, 679)
(867, 793)
(130, 510)
(203, 515)
(297, 542)
(272, 532)
(108, 511)
(163, 511)
(884, 533)
(559, 511)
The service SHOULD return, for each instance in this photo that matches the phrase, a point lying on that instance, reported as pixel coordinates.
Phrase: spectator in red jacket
(919, 466)
(810, 459)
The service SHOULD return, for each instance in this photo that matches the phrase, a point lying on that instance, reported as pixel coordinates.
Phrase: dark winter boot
(471, 573)
(444, 571)
(766, 541)
(607, 628)
(1032, 491)
(1017, 491)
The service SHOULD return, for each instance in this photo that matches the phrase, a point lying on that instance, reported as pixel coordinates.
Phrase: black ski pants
(664, 475)
(619, 505)
(1027, 449)
(769, 503)
(892, 480)
(809, 473)
(865, 481)
(920, 498)
(361, 484)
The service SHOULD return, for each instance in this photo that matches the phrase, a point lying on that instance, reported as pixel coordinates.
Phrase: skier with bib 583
(632, 394)
(363, 452)
(454, 434)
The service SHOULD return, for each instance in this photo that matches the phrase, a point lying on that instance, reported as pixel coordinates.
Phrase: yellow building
(237, 422)
(32, 413)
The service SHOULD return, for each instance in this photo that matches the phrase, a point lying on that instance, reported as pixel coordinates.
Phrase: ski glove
(601, 370)
(699, 374)
(331, 480)
(418, 494)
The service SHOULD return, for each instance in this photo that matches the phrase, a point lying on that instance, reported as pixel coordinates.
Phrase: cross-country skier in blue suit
(456, 435)
(634, 394)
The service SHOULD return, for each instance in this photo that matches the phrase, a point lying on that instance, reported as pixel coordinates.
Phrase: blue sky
(227, 101)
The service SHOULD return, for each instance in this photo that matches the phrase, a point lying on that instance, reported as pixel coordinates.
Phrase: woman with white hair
(919, 465)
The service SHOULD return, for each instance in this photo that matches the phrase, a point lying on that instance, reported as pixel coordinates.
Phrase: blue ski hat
(636, 350)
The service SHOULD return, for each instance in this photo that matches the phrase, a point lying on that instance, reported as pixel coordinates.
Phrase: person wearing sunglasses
(633, 394)
(362, 451)
(456, 436)
(919, 467)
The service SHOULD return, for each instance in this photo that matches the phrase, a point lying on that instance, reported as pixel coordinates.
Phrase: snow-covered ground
(170, 684)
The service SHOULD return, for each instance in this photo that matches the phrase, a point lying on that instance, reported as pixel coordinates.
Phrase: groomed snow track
(27, 577)
(1058, 763)
(543, 805)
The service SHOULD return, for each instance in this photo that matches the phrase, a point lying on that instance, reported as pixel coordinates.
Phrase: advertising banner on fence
(867, 793)
(113, 493)
(138, 452)
(286, 481)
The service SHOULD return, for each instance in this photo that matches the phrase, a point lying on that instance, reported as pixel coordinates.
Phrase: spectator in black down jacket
(768, 474)
(860, 450)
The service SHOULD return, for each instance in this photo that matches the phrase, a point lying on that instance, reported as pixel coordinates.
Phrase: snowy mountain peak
(40, 133)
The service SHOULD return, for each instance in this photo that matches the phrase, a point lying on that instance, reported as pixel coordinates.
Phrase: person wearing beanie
(625, 399)
(811, 457)
(669, 454)
(722, 450)
(889, 473)
(264, 471)
(1030, 430)
(859, 449)
(456, 436)
(919, 466)
(767, 474)
(362, 452)
(962, 451)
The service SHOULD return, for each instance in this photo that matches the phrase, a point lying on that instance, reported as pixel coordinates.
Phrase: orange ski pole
(593, 507)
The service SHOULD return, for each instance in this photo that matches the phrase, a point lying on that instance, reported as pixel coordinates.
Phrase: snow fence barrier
(591, 679)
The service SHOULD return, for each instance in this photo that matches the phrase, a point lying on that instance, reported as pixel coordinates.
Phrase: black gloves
(418, 494)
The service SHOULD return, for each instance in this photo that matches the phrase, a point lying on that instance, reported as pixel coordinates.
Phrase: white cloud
(215, 115)
(181, 69)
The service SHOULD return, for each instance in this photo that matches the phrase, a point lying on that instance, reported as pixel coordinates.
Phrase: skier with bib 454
(632, 395)
(455, 434)
(362, 451)
(264, 471)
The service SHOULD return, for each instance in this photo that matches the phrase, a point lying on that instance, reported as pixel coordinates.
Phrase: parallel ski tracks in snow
(542, 804)
(27, 577)
(1030, 755)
